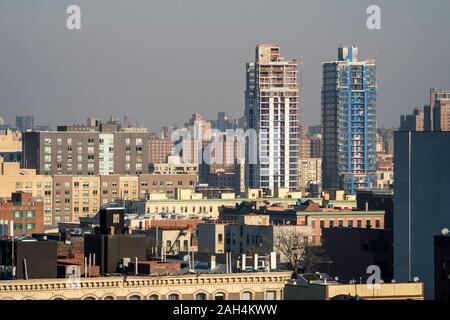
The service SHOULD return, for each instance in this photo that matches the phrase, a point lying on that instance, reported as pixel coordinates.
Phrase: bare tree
(297, 250)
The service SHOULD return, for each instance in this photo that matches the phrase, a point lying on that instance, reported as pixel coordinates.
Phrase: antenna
(445, 232)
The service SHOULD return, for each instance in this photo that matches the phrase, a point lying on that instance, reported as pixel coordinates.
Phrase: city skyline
(91, 87)
(224, 150)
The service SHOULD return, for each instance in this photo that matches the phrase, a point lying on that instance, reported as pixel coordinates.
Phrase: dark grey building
(33, 259)
(86, 152)
(351, 251)
(421, 203)
(112, 246)
(442, 267)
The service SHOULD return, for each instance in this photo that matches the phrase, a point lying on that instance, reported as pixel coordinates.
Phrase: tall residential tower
(349, 122)
(272, 110)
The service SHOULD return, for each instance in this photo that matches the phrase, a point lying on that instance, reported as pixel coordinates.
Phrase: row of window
(340, 223)
(28, 226)
(246, 295)
(48, 141)
(182, 209)
(21, 214)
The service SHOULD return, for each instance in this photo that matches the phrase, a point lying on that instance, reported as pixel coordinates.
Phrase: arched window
(247, 295)
(174, 296)
(108, 298)
(200, 296)
(88, 298)
(135, 297)
(153, 297)
(219, 296)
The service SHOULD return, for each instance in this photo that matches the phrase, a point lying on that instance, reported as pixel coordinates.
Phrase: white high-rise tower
(272, 109)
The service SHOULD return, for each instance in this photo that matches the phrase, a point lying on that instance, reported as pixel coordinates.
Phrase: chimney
(213, 262)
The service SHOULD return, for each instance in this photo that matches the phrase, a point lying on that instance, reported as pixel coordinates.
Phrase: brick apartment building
(159, 149)
(26, 212)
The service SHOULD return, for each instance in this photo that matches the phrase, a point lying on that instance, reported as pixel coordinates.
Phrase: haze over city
(162, 61)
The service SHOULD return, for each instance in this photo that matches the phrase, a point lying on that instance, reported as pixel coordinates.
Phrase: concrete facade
(234, 286)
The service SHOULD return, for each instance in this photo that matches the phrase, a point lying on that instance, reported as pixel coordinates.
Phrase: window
(377, 223)
(30, 226)
(153, 297)
(17, 214)
(174, 296)
(135, 297)
(247, 295)
(200, 296)
(271, 295)
(31, 213)
(219, 296)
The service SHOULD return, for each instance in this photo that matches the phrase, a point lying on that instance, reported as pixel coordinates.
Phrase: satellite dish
(186, 258)
(416, 279)
(445, 232)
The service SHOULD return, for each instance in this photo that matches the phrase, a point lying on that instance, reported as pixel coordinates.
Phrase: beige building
(193, 204)
(174, 166)
(166, 183)
(83, 196)
(10, 142)
(311, 287)
(385, 179)
(170, 240)
(233, 286)
(15, 179)
(74, 197)
(251, 234)
(309, 170)
(117, 187)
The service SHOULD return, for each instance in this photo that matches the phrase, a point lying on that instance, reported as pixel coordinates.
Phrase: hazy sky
(162, 60)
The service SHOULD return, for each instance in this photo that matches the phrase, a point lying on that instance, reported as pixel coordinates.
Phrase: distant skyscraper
(413, 122)
(272, 109)
(349, 122)
(440, 104)
(25, 123)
